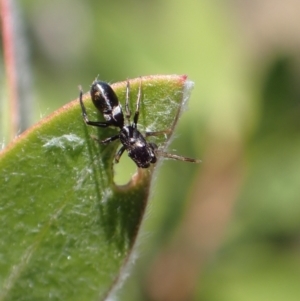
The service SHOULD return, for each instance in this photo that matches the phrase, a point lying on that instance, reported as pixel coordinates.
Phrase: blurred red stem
(10, 63)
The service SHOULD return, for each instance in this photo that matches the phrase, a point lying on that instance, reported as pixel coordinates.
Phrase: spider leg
(177, 157)
(107, 140)
(137, 110)
(127, 110)
(119, 154)
(85, 116)
(157, 133)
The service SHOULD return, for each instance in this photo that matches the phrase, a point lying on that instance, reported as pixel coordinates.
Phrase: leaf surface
(66, 228)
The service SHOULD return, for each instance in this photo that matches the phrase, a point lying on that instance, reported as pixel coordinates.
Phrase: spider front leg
(138, 102)
(158, 152)
(85, 115)
(176, 157)
(158, 133)
(127, 110)
(119, 154)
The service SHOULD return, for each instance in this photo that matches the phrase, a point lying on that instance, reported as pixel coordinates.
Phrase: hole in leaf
(124, 170)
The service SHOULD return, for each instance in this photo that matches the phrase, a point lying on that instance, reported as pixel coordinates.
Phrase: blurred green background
(229, 228)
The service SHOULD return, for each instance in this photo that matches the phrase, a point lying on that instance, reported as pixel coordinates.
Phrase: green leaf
(66, 228)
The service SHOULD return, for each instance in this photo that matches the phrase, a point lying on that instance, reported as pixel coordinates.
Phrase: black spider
(143, 153)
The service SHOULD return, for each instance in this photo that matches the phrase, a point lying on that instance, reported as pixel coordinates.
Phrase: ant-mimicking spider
(143, 153)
